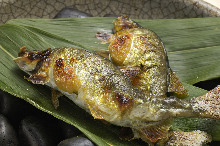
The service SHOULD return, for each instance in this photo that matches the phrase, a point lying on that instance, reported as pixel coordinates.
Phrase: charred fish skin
(103, 91)
(101, 88)
(98, 86)
(147, 53)
(141, 55)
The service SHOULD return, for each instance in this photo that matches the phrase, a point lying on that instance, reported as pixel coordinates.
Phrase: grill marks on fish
(32, 55)
(65, 76)
(124, 103)
(60, 63)
(120, 47)
(132, 46)
(141, 48)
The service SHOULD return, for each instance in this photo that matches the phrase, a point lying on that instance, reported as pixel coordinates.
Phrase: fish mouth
(124, 22)
(25, 64)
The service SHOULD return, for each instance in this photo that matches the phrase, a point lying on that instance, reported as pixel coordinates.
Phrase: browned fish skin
(70, 70)
(132, 46)
(141, 55)
(148, 54)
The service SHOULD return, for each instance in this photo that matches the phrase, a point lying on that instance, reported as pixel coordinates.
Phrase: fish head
(31, 61)
(124, 22)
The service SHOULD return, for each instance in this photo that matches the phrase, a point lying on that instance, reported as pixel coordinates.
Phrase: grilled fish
(99, 87)
(141, 55)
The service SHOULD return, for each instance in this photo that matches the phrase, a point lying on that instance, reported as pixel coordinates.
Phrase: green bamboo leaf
(211, 126)
(192, 44)
(192, 64)
(194, 91)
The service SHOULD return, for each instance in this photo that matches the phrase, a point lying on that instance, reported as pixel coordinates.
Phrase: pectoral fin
(55, 98)
(175, 87)
(97, 114)
(38, 78)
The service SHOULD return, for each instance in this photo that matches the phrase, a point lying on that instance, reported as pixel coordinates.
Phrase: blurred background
(142, 9)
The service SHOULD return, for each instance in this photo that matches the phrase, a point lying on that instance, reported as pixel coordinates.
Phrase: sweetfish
(100, 87)
(141, 55)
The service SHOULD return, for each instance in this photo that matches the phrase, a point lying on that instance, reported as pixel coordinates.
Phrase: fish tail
(188, 138)
(208, 105)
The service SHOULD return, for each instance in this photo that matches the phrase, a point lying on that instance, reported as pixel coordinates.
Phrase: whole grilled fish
(99, 87)
(141, 55)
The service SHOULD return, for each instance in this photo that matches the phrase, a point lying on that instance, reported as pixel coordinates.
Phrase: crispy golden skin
(141, 55)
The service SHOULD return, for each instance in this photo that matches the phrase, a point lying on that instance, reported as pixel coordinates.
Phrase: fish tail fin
(188, 138)
(208, 105)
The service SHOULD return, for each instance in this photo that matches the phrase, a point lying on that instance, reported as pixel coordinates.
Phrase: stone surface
(110, 15)
(67, 130)
(34, 126)
(36, 131)
(71, 13)
(8, 135)
(14, 108)
(76, 141)
(10, 9)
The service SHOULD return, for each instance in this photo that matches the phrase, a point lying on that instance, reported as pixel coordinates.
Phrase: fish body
(141, 55)
(89, 72)
(142, 49)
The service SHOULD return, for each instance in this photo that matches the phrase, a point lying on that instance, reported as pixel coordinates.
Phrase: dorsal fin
(37, 78)
(175, 87)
